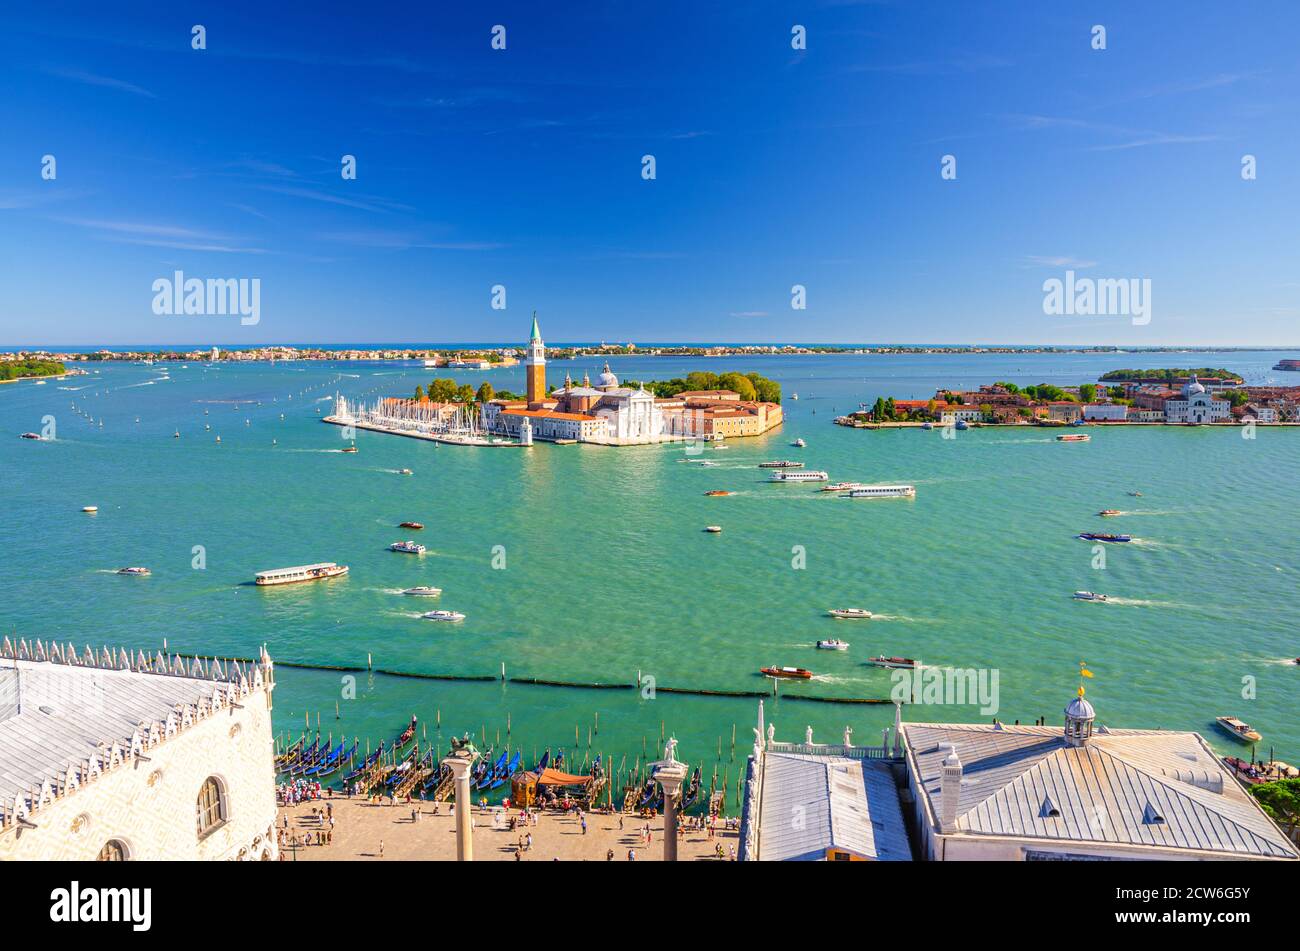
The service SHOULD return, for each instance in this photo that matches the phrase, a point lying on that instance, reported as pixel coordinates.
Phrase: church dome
(607, 378)
(1080, 709)
(1193, 387)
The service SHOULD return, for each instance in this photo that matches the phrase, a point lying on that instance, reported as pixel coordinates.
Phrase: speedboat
(1074, 437)
(423, 591)
(407, 472)
(90, 509)
(1136, 495)
(900, 662)
(407, 548)
(834, 644)
(799, 443)
(348, 449)
(850, 613)
(717, 492)
(706, 462)
(415, 525)
(795, 673)
(1106, 513)
(713, 529)
(1089, 596)
(1104, 537)
(962, 424)
(443, 616)
(134, 571)
(30, 436)
(1238, 729)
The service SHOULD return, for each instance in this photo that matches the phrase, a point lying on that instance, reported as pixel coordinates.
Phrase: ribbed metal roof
(1125, 787)
(64, 714)
(812, 803)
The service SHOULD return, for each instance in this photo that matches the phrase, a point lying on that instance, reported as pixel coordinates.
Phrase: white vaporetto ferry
(326, 569)
(882, 492)
(811, 475)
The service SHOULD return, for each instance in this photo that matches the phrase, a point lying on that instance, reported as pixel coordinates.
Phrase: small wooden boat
(348, 449)
(407, 733)
(834, 644)
(906, 663)
(795, 673)
(415, 525)
(1106, 513)
(717, 492)
(1238, 729)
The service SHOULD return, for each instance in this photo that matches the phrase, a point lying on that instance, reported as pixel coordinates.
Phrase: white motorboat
(713, 529)
(90, 509)
(1089, 596)
(834, 644)
(443, 616)
(423, 591)
(781, 464)
(407, 548)
(842, 487)
(799, 443)
(850, 614)
(139, 572)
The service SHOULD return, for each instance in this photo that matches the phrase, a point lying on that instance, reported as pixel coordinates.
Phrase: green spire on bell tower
(537, 333)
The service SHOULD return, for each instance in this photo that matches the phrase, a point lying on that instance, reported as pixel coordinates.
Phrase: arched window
(211, 806)
(114, 850)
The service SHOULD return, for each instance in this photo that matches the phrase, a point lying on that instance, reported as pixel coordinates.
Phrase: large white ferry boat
(811, 475)
(882, 492)
(407, 548)
(326, 569)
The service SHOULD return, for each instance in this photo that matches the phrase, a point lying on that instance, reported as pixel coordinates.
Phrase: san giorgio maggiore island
(603, 412)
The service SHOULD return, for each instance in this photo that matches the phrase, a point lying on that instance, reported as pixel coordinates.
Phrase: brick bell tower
(535, 366)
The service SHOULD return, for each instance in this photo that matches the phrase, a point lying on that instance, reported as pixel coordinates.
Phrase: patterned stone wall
(151, 804)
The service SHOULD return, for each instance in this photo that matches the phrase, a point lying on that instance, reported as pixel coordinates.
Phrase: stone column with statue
(461, 761)
(669, 773)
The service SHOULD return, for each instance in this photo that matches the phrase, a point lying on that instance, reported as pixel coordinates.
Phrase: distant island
(1132, 396)
(11, 370)
(483, 357)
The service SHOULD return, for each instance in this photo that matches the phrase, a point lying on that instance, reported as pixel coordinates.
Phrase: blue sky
(775, 167)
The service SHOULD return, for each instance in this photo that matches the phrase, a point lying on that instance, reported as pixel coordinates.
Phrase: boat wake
(1138, 602)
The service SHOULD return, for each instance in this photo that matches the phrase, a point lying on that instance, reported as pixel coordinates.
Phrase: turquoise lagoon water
(608, 574)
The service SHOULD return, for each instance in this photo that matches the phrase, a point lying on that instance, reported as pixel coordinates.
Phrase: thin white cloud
(1058, 260)
(107, 82)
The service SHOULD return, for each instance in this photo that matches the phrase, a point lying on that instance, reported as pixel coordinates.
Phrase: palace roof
(65, 718)
(1150, 788)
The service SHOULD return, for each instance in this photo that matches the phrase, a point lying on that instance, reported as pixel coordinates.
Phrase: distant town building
(1196, 405)
(1105, 412)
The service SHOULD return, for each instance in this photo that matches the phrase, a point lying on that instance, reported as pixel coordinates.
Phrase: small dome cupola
(1193, 387)
(1079, 714)
(607, 378)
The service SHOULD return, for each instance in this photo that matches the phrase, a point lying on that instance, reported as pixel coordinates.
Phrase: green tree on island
(485, 392)
(419, 393)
